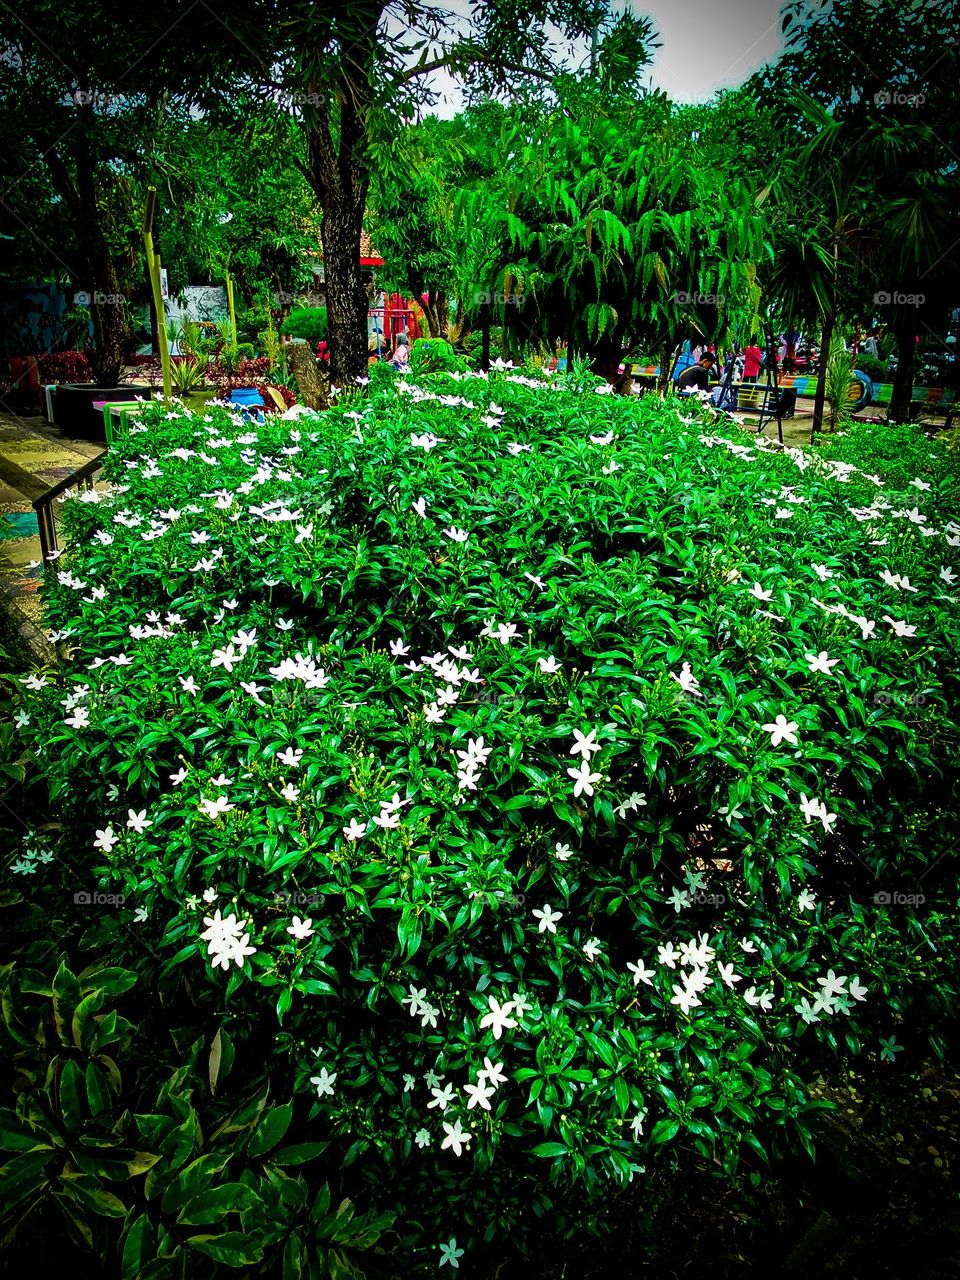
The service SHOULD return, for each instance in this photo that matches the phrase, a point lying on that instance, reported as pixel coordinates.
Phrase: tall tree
(356, 71)
(614, 235)
(860, 94)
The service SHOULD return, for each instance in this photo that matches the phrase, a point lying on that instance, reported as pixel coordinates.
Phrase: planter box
(74, 412)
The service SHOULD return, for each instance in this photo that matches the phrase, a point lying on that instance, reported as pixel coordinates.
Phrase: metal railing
(43, 506)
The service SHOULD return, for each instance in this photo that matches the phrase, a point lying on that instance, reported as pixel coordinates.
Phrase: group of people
(696, 377)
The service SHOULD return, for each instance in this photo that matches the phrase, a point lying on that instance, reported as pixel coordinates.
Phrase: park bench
(931, 400)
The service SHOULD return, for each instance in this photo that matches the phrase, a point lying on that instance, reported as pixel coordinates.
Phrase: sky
(706, 45)
(709, 46)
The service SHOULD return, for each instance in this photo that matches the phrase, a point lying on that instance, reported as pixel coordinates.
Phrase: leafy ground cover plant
(541, 782)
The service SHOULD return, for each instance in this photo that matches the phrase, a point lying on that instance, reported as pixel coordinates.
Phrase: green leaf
(299, 1154)
(270, 1130)
(212, 1205)
(17, 1135)
(664, 1130)
(137, 1248)
(550, 1149)
(86, 1190)
(233, 1248)
(68, 1093)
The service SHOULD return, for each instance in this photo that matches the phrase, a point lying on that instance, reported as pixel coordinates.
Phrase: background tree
(862, 93)
(618, 236)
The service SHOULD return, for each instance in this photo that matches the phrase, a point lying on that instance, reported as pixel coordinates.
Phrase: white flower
(479, 1094)
(856, 989)
(748, 946)
(822, 572)
(548, 919)
(947, 575)
(212, 808)
(900, 628)
(684, 998)
(584, 746)
(210, 896)
(758, 591)
(226, 658)
(506, 632)
(591, 949)
(291, 757)
(668, 955)
(641, 973)
(428, 1015)
(324, 1082)
(456, 1138)
(583, 779)
(807, 1011)
(806, 901)
(782, 730)
(821, 662)
(679, 899)
(300, 929)
(106, 840)
(416, 999)
(498, 1019)
(420, 506)
(140, 915)
(290, 792)
(633, 802)
(355, 830)
(563, 852)
(493, 1072)
(636, 1124)
(763, 1000)
(456, 535)
(811, 808)
(422, 1137)
(224, 950)
(188, 684)
(687, 680)
(832, 985)
(433, 713)
(727, 974)
(398, 648)
(304, 531)
(138, 821)
(178, 777)
(441, 1097)
(549, 666)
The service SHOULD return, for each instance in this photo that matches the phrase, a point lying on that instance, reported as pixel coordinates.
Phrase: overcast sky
(710, 46)
(706, 45)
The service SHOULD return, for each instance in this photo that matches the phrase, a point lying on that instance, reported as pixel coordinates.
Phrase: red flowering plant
(64, 366)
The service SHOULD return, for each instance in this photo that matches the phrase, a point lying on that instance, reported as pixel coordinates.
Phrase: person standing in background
(401, 354)
(752, 360)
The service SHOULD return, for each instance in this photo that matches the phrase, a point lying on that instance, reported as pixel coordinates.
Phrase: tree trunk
(346, 293)
(303, 366)
(108, 306)
(485, 336)
(905, 329)
(825, 337)
(437, 312)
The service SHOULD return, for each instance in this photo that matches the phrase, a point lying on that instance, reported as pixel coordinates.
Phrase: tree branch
(476, 56)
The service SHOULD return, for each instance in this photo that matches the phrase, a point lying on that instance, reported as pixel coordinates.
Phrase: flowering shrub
(64, 366)
(536, 779)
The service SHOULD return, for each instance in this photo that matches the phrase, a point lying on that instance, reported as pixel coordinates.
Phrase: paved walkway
(33, 457)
